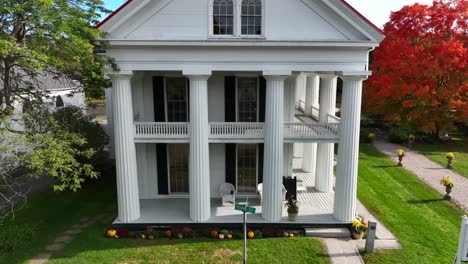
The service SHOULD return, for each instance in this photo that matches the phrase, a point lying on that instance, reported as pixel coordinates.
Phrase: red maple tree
(420, 69)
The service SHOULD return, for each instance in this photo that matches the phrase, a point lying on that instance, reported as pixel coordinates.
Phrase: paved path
(430, 172)
(66, 237)
(342, 251)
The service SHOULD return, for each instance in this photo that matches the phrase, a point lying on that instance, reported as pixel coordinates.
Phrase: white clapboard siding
(216, 99)
(217, 168)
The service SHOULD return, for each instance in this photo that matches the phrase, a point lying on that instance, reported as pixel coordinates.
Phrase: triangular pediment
(292, 20)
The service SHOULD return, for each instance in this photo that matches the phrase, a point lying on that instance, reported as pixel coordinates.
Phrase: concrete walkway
(342, 251)
(430, 172)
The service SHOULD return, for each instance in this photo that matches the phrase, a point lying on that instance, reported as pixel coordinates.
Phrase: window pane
(223, 17)
(178, 167)
(251, 17)
(247, 99)
(176, 98)
(246, 168)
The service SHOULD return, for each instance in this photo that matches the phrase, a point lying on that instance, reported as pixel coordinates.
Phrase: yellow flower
(450, 155)
(371, 135)
(356, 224)
(400, 152)
(446, 181)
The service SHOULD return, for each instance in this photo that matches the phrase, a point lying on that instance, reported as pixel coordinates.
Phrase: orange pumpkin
(251, 234)
(111, 233)
(214, 233)
(229, 236)
(168, 233)
(291, 235)
(143, 236)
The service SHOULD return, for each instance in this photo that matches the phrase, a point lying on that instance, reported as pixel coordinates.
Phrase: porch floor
(315, 208)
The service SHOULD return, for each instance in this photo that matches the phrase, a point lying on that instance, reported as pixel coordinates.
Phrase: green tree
(52, 37)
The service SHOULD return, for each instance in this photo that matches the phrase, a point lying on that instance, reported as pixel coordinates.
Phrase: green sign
(244, 208)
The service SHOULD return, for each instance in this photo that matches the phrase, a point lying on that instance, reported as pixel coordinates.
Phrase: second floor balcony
(149, 132)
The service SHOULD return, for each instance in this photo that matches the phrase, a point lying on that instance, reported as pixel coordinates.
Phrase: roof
(343, 1)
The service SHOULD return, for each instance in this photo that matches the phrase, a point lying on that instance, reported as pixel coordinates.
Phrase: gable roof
(379, 33)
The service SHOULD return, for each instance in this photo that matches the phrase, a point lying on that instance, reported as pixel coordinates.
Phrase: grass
(48, 214)
(90, 247)
(437, 152)
(426, 225)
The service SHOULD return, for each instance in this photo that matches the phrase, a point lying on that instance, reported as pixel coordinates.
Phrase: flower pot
(292, 217)
(357, 236)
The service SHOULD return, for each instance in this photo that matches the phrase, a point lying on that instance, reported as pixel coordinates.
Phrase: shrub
(14, 237)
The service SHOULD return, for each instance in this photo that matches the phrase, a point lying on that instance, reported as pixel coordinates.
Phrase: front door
(178, 168)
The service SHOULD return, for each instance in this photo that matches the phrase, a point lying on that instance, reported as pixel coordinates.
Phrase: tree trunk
(437, 131)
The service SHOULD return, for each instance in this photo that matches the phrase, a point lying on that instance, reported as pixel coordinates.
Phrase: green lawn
(437, 152)
(49, 214)
(426, 225)
(90, 247)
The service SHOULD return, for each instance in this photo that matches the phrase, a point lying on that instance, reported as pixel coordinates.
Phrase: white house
(219, 91)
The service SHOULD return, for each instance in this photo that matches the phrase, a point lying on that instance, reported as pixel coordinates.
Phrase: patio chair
(228, 193)
(260, 191)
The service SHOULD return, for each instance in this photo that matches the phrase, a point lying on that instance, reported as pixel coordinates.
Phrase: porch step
(327, 232)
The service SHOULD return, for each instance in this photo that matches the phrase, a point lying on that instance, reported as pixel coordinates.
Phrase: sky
(377, 11)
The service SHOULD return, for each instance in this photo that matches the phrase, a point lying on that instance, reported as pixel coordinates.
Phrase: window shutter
(260, 163)
(231, 164)
(230, 98)
(158, 99)
(161, 158)
(262, 98)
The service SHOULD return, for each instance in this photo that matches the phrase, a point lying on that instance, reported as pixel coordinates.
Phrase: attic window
(223, 17)
(237, 18)
(251, 17)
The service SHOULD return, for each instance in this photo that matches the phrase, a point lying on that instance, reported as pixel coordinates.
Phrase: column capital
(198, 77)
(276, 74)
(122, 75)
(311, 74)
(197, 72)
(328, 76)
(355, 76)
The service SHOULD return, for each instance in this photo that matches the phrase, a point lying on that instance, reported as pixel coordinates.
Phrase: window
(59, 102)
(237, 18)
(177, 99)
(178, 168)
(223, 17)
(251, 17)
(247, 96)
(246, 168)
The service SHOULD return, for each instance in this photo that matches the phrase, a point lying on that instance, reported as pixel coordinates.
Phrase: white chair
(260, 191)
(228, 193)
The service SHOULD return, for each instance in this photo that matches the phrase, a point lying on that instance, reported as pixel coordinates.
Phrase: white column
(348, 154)
(309, 158)
(199, 158)
(125, 155)
(325, 151)
(273, 165)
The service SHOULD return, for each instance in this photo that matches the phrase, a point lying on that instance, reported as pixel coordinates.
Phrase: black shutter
(158, 99)
(161, 157)
(231, 164)
(262, 98)
(230, 98)
(260, 163)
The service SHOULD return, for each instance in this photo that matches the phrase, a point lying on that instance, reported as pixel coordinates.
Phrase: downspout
(368, 59)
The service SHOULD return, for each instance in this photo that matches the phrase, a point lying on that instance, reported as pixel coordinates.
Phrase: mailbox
(462, 254)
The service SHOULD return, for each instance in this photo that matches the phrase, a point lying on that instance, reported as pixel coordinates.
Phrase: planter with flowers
(448, 183)
(293, 208)
(401, 154)
(450, 156)
(359, 228)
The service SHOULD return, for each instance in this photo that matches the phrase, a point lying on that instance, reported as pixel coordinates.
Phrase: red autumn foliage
(420, 69)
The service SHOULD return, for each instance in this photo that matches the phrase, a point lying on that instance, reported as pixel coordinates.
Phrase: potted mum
(448, 183)
(401, 154)
(358, 228)
(411, 139)
(450, 156)
(371, 137)
(293, 208)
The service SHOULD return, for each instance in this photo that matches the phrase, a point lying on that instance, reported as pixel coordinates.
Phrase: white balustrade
(148, 130)
(236, 130)
(311, 130)
(168, 130)
(333, 119)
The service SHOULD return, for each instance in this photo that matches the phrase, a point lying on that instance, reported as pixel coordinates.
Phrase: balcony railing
(311, 130)
(161, 130)
(236, 130)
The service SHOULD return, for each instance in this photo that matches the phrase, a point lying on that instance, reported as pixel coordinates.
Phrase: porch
(315, 208)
